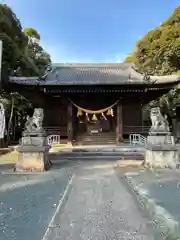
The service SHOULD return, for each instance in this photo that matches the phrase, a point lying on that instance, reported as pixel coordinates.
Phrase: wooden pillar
(119, 127)
(70, 123)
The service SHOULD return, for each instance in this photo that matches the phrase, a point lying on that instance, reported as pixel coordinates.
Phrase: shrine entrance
(96, 124)
(101, 124)
(93, 99)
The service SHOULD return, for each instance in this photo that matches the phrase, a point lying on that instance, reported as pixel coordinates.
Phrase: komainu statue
(159, 122)
(34, 123)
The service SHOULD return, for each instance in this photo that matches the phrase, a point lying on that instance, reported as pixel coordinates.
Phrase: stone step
(95, 143)
(108, 148)
(101, 152)
(86, 158)
(103, 156)
(97, 156)
(99, 138)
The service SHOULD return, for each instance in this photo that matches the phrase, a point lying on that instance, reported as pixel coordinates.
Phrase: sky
(91, 30)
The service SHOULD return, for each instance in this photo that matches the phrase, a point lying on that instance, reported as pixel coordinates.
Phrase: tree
(13, 40)
(32, 33)
(21, 56)
(130, 58)
(158, 52)
(17, 59)
(14, 103)
(39, 56)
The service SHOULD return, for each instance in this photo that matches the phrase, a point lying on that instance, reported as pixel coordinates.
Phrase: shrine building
(93, 103)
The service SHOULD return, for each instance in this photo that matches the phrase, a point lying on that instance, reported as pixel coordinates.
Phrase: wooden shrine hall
(93, 103)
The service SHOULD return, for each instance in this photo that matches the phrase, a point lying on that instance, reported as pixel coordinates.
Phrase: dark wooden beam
(119, 127)
(70, 123)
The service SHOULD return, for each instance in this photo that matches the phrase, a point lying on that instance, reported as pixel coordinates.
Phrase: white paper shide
(2, 121)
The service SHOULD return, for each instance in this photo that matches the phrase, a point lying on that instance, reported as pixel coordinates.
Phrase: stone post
(161, 150)
(174, 124)
(34, 149)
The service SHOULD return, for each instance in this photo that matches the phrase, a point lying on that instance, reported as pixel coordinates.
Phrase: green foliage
(20, 57)
(158, 52)
(130, 58)
(39, 56)
(32, 33)
(20, 103)
(174, 18)
(13, 39)
(14, 103)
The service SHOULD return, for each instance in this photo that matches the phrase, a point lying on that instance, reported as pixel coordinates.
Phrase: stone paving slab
(163, 186)
(99, 207)
(161, 189)
(28, 201)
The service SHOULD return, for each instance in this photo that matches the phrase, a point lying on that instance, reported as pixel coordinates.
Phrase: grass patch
(57, 147)
(60, 145)
(130, 163)
(10, 157)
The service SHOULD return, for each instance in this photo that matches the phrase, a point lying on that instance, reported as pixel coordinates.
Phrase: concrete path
(28, 201)
(99, 207)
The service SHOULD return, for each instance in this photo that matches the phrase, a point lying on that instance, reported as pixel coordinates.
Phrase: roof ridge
(89, 65)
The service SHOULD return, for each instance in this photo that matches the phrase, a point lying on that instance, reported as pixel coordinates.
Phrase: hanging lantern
(112, 112)
(108, 112)
(94, 118)
(79, 113)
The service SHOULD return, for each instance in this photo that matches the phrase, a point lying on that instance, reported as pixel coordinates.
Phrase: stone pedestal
(33, 154)
(160, 139)
(161, 151)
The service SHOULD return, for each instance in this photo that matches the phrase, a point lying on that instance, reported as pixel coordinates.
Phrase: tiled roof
(93, 74)
(166, 79)
(24, 80)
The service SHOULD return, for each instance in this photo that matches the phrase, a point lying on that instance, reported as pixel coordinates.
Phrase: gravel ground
(28, 202)
(99, 207)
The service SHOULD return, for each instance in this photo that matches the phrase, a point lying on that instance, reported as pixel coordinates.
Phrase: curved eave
(123, 81)
(129, 84)
(165, 79)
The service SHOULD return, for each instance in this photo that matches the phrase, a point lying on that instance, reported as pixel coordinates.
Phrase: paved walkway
(160, 185)
(99, 207)
(28, 201)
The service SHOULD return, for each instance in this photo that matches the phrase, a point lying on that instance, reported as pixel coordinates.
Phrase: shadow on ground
(6, 166)
(71, 158)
